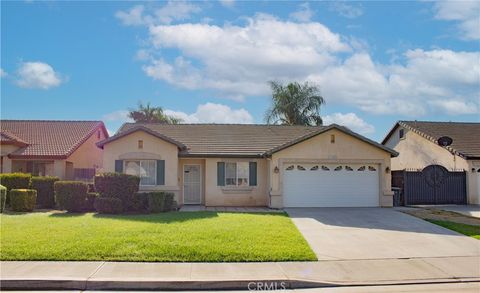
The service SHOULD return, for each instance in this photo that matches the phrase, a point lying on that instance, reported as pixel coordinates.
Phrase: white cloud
(37, 75)
(351, 121)
(235, 61)
(214, 113)
(227, 3)
(132, 17)
(3, 73)
(170, 12)
(120, 115)
(303, 14)
(346, 10)
(465, 13)
(239, 60)
(455, 107)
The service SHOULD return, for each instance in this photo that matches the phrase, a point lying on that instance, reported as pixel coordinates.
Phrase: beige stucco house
(66, 149)
(417, 144)
(253, 165)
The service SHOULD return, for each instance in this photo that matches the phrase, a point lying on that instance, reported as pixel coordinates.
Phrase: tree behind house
(148, 114)
(295, 104)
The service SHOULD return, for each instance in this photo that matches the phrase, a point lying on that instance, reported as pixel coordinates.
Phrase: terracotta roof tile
(48, 138)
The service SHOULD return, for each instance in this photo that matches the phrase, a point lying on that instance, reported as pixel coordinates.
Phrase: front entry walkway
(199, 208)
(377, 233)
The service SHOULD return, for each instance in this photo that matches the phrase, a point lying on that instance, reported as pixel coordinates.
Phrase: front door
(192, 184)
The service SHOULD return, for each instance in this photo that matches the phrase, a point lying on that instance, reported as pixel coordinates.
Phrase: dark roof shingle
(465, 135)
(53, 139)
(217, 140)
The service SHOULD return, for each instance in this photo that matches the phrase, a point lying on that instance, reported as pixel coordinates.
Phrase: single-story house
(254, 165)
(417, 143)
(66, 149)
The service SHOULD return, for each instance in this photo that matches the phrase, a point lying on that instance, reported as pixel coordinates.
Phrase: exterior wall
(319, 149)
(417, 152)
(88, 155)
(7, 162)
(473, 182)
(183, 162)
(230, 196)
(154, 148)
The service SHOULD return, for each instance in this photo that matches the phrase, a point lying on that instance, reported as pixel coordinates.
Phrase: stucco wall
(154, 148)
(417, 152)
(228, 196)
(88, 155)
(319, 149)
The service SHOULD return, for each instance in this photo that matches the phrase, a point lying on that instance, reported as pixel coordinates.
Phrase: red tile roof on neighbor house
(47, 139)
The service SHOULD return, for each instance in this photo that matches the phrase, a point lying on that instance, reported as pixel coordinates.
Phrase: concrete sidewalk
(190, 276)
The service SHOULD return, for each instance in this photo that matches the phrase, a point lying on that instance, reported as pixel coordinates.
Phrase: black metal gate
(432, 185)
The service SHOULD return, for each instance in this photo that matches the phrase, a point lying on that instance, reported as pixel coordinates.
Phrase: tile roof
(465, 135)
(235, 140)
(47, 139)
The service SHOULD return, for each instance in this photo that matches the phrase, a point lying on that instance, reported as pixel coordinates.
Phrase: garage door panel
(329, 188)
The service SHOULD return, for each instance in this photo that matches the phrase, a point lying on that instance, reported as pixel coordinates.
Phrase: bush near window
(15, 181)
(159, 201)
(3, 197)
(23, 200)
(108, 205)
(140, 203)
(89, 205)
(45, 190)
(71, 195)
(118, 185)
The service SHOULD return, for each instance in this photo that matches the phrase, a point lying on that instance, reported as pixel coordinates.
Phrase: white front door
(330, 185)
(192, 184)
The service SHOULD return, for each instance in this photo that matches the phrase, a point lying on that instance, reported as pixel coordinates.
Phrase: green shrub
(169, 201)
(156, 202)
(70, 195)
(89, 205)
(108, 205)
(14, 181)
(23, 200)
(140, 203)
(3, 197)
(117, 185)
(45, 190)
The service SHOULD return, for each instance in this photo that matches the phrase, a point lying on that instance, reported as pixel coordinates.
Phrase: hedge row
(45, 191)
(23, 200)
(14, 181)
(3, 198)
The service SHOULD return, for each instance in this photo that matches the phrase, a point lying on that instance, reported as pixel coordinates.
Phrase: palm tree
(295, 104)
(147, 114)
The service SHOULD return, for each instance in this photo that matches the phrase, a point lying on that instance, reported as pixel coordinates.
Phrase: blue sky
(375, 62)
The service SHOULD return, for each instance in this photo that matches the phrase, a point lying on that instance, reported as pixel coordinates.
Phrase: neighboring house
(254, 165)
(66, 149)
(416, 141)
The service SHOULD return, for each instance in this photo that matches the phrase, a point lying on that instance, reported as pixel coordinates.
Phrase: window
(140, 144)
(145, 169)
(401, 133)
(236, 174)
(332, 138)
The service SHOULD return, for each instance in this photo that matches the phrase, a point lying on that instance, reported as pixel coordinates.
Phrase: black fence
(431, 186)
(83, 174)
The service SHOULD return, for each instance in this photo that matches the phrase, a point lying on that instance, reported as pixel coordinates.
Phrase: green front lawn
(174, 236)
(469, 230)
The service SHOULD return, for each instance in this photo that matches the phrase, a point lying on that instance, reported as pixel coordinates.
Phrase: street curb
(274, 284)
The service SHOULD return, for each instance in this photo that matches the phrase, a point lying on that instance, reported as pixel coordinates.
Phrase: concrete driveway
(377, 233)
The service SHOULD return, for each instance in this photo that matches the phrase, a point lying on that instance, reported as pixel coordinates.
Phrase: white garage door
(330, 185)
